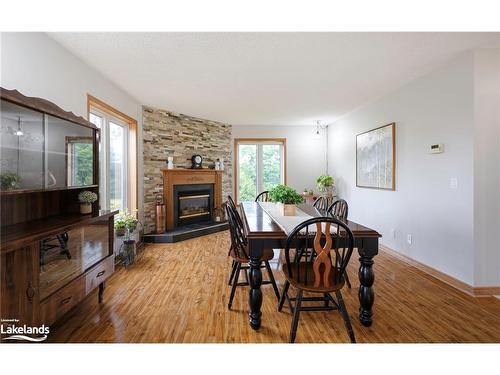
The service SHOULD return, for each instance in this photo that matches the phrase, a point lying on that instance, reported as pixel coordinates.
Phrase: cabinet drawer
(99, 273)
(55, 306)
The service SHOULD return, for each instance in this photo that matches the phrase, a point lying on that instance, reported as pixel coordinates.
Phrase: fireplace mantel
(172, 177)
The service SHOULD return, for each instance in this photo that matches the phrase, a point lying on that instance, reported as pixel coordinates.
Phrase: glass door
(113, 160)
(260, 167)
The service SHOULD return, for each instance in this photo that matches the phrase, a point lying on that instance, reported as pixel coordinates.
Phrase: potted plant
(125, 222)
(86, 199)
(125, 225)
(10, 181)
(325, 184)
(287, 197)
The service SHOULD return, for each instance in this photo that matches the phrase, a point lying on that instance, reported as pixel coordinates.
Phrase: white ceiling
(266, 78)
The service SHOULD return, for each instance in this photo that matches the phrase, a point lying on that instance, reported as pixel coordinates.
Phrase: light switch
(453, 183)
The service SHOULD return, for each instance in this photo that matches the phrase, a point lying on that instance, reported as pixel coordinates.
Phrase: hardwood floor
(178, 293)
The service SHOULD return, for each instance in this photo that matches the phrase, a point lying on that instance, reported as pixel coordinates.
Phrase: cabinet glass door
(67, 255)
(22, 148)
(70, 153)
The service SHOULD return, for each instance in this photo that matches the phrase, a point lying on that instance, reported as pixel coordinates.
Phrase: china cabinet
(52, 256)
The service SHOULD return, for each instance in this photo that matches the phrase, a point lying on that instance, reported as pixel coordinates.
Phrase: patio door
(259, 166)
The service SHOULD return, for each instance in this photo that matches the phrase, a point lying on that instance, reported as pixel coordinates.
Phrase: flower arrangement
(325, 183)
(86, 199)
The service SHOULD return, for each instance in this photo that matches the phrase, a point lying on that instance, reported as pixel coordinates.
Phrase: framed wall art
(376, 158)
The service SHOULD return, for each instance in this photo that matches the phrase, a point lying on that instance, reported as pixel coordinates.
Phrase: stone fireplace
(166, 134)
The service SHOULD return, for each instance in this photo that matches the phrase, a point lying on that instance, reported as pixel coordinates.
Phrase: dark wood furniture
(51, 255)
(339, 208)
(323, 202)
(262, 197)
(262, 232)
(322, 272)
(239, 254)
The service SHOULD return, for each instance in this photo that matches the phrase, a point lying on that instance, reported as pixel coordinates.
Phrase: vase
(288, 209)
(170, 162)
(85, 208)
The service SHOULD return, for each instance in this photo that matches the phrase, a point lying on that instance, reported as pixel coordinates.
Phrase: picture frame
(376, 158)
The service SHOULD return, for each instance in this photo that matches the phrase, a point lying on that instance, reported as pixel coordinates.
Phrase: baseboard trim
(483, 291)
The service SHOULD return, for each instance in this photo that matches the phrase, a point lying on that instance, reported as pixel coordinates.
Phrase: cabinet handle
(30, 292)
(101, 273)
(66, 300)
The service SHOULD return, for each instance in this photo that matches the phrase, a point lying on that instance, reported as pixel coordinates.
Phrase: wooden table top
(258, 224)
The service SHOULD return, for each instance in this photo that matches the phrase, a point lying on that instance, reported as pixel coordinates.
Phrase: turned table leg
(255, 294)
(366, 292)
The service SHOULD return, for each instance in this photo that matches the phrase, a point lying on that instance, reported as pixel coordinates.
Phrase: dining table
(262, 231)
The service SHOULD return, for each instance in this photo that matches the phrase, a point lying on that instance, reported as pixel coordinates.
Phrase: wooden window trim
(93, 102)
(246, 140)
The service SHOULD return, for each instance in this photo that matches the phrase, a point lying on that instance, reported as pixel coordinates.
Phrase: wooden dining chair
(262, 197)
(340, 209)
(239, 255)
(323, 202)
(320, 274)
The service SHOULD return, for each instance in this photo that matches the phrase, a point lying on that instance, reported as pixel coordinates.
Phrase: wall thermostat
(437, 148)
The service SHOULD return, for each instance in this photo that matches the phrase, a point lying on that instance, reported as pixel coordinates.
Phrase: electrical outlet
(408, 238)
(453, 183)
(393, 232)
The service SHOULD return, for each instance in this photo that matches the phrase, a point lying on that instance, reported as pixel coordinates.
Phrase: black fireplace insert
(193, 204)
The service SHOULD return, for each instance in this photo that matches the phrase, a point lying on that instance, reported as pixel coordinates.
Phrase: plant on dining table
(287, 196)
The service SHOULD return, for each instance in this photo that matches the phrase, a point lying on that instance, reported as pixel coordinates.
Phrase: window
(260, 165)
(117, 157)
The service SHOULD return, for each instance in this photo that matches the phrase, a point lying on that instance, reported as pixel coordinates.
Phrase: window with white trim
(113, 160)
(260, 165)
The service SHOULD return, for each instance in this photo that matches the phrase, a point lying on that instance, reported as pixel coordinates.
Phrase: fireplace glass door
(194, 207)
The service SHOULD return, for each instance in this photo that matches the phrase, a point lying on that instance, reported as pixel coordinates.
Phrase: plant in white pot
(325, 184)
(86, 199)
(288, 198)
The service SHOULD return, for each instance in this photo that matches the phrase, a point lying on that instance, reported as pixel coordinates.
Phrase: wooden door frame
(235, 167)
(133, 188)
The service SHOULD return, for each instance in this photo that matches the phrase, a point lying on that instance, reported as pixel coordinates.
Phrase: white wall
(36, 65)
(436, 108)
(487, 167)
(305, 154)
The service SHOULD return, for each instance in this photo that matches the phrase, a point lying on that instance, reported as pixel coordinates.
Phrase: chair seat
(306, 281)
(267, 255)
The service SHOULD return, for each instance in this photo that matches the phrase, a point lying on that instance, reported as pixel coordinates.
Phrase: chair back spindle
(238, 241)
(322, 203)
(339, 208)
(262, 197)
